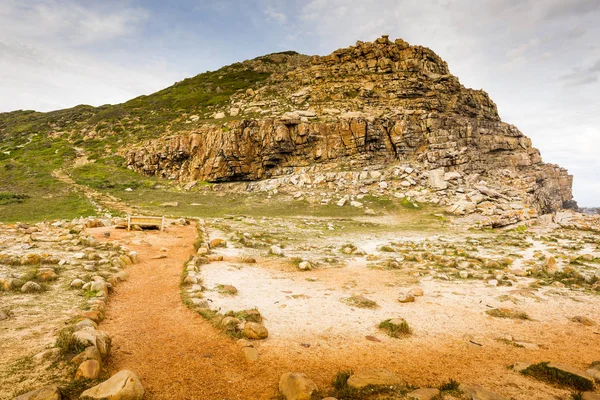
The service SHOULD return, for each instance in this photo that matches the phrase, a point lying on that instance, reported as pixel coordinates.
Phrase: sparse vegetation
(507, 313)
(396, 327)
(544, 372)
(360, 302)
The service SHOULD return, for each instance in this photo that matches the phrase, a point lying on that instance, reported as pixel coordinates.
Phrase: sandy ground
(178, 355)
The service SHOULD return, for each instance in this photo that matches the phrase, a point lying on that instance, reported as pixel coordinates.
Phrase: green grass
(102, 176)
(558, 377)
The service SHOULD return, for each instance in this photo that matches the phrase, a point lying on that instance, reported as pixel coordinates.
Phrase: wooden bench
(145, 222)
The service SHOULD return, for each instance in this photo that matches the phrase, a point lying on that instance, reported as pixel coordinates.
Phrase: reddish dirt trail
(175, 352)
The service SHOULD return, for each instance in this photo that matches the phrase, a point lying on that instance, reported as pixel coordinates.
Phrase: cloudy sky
(538, 59)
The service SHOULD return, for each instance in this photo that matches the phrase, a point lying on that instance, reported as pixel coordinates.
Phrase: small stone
(124, 385)
(89, 369)
(373, 377)
(77, 283)
(46, 393)
(218, 243)
(406, 298)
(255, 330)
(463, 274)
(202, 251)
(417, 292)
(276, 250)
(296, 386)
(31, 287)
(423, 394)
(304, 266)
(228, 289)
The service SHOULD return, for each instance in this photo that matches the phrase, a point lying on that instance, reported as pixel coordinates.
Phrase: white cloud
(48, 59)
(46, 21)
(276, 16)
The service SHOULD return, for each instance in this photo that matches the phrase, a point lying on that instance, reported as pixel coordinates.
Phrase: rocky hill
(382, 116)
(373, 103)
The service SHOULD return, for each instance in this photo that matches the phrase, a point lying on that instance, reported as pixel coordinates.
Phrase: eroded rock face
(373, 102)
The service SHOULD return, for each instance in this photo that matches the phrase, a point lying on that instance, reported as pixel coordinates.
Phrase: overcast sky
(538, 59)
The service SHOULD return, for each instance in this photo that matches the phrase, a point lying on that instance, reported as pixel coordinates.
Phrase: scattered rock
(416, 292)
(296, 386)
(373, 377)
(124, 385)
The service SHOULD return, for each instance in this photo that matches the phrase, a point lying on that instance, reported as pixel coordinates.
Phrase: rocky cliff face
(373, 103)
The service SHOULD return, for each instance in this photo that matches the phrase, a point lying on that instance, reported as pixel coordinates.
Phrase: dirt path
(176, 353)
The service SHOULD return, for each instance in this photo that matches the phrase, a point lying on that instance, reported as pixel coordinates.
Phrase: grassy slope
(33, 144)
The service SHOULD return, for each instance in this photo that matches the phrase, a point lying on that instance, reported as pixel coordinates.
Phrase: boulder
(93, 337)
(124, 385)
(373, 377)
(255, 330)
(436, 179)
(89, 369)
(90, 353)
(296, 386)
(46, 393)
(31, 287)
